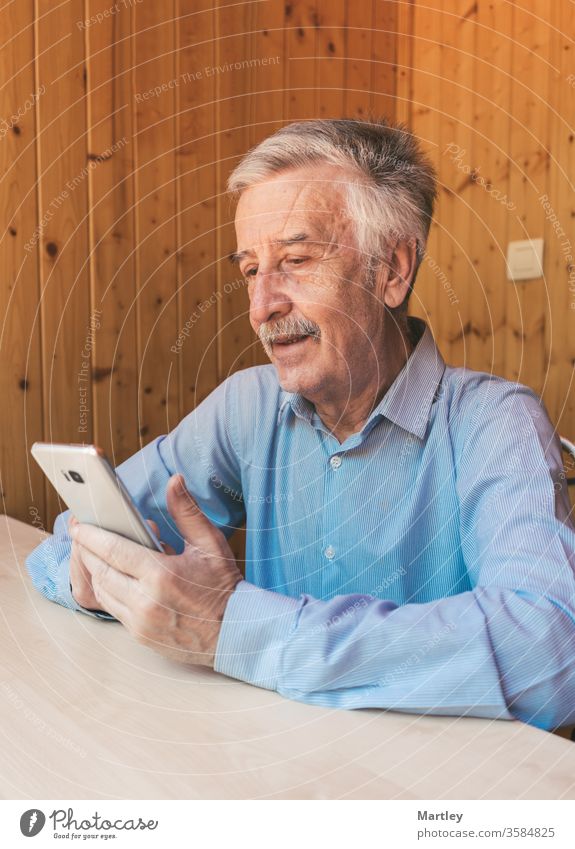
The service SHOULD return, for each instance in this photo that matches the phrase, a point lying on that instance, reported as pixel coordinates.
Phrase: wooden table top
(87, 713)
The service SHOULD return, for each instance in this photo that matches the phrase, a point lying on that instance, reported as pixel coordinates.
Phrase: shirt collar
(407, 402)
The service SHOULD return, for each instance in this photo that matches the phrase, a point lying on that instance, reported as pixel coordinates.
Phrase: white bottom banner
(281, 824)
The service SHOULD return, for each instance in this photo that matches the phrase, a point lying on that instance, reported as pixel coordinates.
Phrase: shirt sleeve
(202, 448)
(504, 649)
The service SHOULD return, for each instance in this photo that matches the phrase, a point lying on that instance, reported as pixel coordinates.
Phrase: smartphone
(87, 482)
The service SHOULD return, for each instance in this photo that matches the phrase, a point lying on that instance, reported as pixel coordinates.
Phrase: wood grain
(457, 194)
(143, 235)
(559, 259)
(234, 56)
(109, 51)
(21, 483)
(426, 124)
(68, 325)
(359, 61)
(517, 129)
(491, 208)
(527, 303)
(196, 336)
(155, 149)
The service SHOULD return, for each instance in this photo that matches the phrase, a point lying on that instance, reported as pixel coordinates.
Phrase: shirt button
(335, 461)
(330, 552)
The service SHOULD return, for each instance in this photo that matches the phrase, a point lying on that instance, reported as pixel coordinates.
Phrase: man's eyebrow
(299, 237)
(291, 240)
(237, 256)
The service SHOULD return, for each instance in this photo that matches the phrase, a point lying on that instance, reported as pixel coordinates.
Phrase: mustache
(289, 326)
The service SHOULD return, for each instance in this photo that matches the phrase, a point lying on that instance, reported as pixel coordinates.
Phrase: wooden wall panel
(384, 52)
(330, 62)
(516, 129)
(155, 148)
(526, 303)
(234, 37)
(456, 197)
(195, 340)
(68, 324)
(21, 482)
(359, 61)
(109, 48)
(266, 104)
(490, 213)
(559, 264)
(426, 123)
(404, 62)
(126, 312)
(144, 234)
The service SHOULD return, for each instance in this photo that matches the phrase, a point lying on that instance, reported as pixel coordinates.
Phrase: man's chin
(296, 365)
(296, 380)
(288, 382)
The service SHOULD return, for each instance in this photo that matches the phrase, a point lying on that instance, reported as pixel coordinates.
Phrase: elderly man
(408, 538)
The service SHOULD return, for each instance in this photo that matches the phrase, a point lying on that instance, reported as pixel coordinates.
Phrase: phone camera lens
(75, 476)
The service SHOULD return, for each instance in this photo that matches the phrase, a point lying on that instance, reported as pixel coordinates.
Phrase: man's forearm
(358, 652)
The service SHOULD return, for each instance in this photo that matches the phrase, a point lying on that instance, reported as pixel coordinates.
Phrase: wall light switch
(525, 260)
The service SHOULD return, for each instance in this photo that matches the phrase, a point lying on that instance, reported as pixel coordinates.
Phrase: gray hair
(393, 195)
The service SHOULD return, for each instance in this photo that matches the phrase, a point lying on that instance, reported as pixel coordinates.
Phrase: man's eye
(251, 272)
(296, 260)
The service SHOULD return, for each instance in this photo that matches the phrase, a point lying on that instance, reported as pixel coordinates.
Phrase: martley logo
(32, 822)
(65, 824)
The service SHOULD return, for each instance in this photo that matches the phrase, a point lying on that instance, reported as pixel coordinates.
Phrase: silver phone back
(87, 483)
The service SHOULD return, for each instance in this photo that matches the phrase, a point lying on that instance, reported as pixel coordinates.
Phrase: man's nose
(268, 298)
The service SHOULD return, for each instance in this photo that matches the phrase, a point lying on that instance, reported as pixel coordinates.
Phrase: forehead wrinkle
(307, 204)
(318, 233)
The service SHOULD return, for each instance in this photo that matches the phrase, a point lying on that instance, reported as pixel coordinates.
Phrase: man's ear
(395, 276)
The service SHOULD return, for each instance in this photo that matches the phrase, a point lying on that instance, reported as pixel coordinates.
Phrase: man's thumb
(193, 525)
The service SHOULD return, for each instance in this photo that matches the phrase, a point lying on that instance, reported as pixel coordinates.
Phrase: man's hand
(173, 603)
(80, 578)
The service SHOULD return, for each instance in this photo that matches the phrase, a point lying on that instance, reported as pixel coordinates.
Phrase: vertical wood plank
(302, 22)
(68, 328)
(330, 64)
(268, 74)
(358, 60)
(196, 339)
(404, 63)
(112, 237)
(21, 482)
(559, 211)
(456, 106)
(154, 75)
(526, 302)
(491, 203)
(267, 99)
(426, 122)
(233, 84)
(384, 56)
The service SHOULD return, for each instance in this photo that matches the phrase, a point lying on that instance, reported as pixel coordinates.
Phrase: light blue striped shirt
(426, 564)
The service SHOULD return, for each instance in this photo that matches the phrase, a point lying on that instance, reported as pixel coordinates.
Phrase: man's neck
(347, 416)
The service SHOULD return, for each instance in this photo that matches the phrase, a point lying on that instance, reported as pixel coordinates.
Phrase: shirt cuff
(256, 625)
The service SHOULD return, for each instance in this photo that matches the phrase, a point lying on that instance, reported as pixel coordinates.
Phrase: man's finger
(192, 524)
(110, 604)
(121, 586)
(123, 554)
